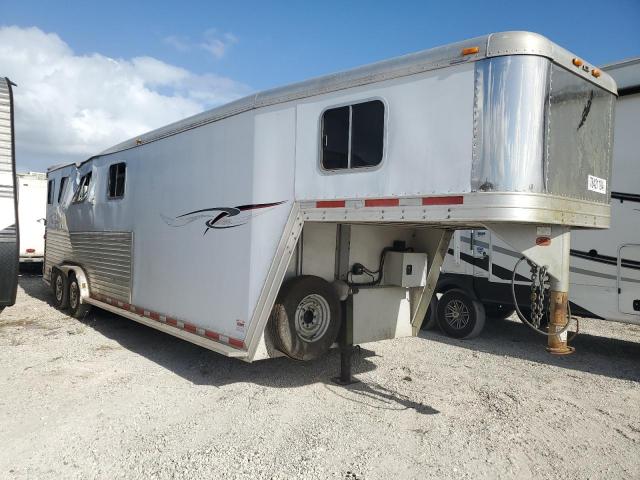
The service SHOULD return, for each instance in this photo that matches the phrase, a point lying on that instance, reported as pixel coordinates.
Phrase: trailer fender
(80, 276)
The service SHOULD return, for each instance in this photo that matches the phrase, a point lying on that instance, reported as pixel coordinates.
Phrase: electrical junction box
(405, 269)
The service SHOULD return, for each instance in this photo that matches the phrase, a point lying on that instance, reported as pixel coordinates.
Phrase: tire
(459, 315)
(306, 318)
(498, 311)
(76, 308)
(60, 287)
(431, 317)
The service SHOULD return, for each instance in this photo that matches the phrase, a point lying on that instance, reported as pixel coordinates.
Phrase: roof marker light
(595, 72)
(470, 50)
(577, 62)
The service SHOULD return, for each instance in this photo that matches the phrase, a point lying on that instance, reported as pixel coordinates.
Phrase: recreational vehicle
(9, 240)
(605, 264)
(268, 226)
(33, 197)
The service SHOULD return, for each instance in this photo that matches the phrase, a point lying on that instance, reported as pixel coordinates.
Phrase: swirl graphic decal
(221, 217)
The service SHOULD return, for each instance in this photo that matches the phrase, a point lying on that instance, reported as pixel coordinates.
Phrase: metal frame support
(421, 297)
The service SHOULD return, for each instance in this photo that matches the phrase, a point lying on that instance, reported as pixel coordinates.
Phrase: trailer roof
(626, 74)
(492, 45)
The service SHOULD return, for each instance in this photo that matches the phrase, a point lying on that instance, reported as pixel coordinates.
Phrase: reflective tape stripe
(330, 204)
(389, 202)
(179, 324)
(449, 200)
(382, 202)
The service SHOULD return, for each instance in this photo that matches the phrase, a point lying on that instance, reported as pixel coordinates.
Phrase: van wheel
(77, 309)
(431, 318)
(305, 320)
(498, 311)
(60, 288)
(459, 315)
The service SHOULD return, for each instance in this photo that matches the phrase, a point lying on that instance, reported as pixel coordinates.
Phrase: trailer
(322, 211)
(34, 193)
(605, 264)
(9, 241)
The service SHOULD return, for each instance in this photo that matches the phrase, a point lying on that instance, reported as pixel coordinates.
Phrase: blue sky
(237, 47)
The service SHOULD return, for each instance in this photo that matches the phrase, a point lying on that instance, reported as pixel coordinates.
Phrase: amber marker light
(595, 72)
(577, 62)
(470, 50)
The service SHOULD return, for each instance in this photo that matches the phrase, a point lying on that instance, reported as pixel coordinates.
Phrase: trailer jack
(346, 377)
(558, 319)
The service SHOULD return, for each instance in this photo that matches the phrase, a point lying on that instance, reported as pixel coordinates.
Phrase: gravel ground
(107, 398)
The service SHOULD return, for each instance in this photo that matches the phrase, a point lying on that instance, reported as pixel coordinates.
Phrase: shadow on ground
(203, 367)
(600, 355)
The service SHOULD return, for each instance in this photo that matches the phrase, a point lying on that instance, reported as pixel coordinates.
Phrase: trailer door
(629, 279)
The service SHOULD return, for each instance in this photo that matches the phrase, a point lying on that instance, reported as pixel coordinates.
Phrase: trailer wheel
(498, 311)
(306, 318)
(59, 285)
(431, 318)
(459, 315)
(76, 308)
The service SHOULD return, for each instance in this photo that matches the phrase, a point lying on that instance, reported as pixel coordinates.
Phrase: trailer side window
(63, 183)
(117, 173)
(83, 189)
(50, 192)
(353, 136)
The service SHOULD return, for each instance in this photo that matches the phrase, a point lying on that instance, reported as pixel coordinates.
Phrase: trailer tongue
(286, 220)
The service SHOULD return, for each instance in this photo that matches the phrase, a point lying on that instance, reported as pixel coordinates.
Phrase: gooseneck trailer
(267, 226)
(9, 241)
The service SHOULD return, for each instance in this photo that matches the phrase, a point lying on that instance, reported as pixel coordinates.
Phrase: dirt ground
(108, 398)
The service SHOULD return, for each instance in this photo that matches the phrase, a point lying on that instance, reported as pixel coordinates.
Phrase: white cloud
(212, 42)
(181, 44)
(216, 44)
(71, 106)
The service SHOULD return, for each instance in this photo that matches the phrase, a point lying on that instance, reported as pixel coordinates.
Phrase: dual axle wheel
(66, 294)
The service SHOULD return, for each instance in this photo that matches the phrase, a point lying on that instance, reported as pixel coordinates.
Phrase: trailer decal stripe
(179, 324)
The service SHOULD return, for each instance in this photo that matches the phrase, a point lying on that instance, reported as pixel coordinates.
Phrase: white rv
(605, 265)
(33, 197)
(266, 226)
(9, 241)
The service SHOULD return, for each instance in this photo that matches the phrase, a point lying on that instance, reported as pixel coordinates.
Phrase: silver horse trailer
(605, 264)
(8, 200)
(269, 225)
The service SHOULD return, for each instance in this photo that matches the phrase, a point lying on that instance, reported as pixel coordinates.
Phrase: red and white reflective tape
(174, 322)
(388, 202)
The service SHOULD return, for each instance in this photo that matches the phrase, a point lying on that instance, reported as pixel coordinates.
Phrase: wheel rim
(59, 288)
(457, 314)
(312, 318)
(73, 294)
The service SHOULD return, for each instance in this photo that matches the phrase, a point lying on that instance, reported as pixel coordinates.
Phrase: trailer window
(83, 188)
(353, 136)
(117, 173)
(63, 183)
(50, 192)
